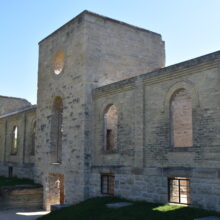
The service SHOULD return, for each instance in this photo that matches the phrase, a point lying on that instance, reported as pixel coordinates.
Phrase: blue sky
(190, 28)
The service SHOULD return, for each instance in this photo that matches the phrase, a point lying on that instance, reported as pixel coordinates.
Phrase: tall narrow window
(111, 126)
(181, 119)
(14, 140)
(56, 130)
(33, 134)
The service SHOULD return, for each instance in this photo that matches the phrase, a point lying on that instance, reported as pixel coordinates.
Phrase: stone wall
(9, 104)
(69, 86)
(96, 51)
(144, 134)
(21, 162)
(115, 50)
(151, 184)
(21, 197)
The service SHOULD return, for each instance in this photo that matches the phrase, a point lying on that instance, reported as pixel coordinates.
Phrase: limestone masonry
(111, 119)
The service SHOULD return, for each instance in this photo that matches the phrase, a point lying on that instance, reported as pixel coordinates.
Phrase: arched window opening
(56, 130)
(33, 135)
(58, 62)
(181, 119)
(111, 127)
(14, 140)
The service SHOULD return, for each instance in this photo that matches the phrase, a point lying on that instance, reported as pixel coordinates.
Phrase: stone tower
(87, 52)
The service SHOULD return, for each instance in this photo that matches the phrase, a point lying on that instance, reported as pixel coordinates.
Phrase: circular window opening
(58, 62)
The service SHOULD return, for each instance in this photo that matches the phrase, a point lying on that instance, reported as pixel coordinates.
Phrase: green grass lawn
(95, 209)
(12, 181)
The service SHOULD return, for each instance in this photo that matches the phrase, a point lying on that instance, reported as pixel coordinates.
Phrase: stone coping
(118, 204)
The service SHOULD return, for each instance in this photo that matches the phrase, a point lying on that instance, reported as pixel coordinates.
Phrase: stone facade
(19, 163)
(125, 118)
(146, 157)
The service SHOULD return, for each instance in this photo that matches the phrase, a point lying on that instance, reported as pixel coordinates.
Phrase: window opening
(107, 184)
(179, 190)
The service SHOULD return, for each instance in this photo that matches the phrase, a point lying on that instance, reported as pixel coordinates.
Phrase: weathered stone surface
(94, 62)
(25, 197)
(22, 162)
(10, 104)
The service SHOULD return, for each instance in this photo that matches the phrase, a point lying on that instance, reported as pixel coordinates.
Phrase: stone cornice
(178, 73)
(116, 88)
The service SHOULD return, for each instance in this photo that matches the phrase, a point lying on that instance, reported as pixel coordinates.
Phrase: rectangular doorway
(56, 189)
(179, 190)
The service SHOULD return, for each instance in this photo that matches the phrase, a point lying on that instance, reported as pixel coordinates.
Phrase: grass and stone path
(97, 209)
(21, 215)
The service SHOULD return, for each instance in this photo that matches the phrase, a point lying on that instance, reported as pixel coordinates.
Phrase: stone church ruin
(111, 119)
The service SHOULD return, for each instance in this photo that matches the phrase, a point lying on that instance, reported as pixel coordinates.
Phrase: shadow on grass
(95, 209)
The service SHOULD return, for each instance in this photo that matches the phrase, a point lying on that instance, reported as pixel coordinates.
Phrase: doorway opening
(56, 190)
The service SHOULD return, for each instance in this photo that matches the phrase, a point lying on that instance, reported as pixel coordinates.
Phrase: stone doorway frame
(55, 190)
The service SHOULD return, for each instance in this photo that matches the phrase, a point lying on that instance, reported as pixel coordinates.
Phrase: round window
(58, 62)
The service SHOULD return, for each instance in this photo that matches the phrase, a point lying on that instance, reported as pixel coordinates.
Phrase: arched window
(181, 119)
(58, 62)
(33, 134)
(110, 128)
(56, 130)
(14, 140)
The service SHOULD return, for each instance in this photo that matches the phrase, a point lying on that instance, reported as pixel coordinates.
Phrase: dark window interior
(107, 184)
